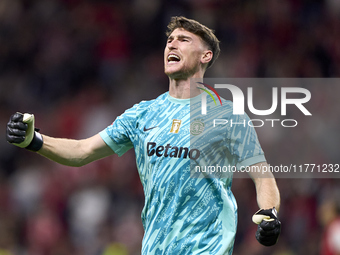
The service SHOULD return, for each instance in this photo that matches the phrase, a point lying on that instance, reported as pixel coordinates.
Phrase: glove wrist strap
(36, 143)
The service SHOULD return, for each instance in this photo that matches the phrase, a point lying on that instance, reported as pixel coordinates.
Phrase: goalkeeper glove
(269, 227)
(21, 132)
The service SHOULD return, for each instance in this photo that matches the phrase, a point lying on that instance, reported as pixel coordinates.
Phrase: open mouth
(173, 58)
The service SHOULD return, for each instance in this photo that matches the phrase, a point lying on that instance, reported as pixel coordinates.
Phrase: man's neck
(184, 88)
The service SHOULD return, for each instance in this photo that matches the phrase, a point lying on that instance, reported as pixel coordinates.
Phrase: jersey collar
(184, 101)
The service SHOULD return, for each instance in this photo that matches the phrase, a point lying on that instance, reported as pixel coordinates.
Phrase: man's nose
(172, 45)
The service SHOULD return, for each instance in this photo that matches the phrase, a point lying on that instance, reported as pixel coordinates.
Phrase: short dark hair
(205, 33)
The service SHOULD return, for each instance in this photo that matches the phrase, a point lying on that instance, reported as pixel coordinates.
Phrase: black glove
(269, 227)
(20, 132)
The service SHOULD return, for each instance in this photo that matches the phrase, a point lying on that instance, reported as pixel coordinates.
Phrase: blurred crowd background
(77, 64)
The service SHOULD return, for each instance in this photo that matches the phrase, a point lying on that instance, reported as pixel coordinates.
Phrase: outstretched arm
(74, 152)
(21, 132)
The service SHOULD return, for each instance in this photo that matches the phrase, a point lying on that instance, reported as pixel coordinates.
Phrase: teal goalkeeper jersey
(184, 214)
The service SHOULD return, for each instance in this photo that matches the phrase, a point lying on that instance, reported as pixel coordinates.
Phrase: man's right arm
(21, 132)
(74, 152)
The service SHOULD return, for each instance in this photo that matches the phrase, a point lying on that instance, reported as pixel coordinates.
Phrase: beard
(182, 73)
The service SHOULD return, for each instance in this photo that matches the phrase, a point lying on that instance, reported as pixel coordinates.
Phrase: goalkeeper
(181, 215)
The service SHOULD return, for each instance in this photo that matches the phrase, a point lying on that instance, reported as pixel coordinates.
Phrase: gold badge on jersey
(176, 124)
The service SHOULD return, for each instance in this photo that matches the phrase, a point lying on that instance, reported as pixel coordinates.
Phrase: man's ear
(206, 57)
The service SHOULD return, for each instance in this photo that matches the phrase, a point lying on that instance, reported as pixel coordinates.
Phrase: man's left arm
(268, 199)
(267, 192)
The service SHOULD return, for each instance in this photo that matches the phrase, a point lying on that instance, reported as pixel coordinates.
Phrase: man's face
(183, 54)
